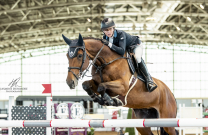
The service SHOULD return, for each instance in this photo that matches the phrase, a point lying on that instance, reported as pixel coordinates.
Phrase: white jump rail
(192, 122)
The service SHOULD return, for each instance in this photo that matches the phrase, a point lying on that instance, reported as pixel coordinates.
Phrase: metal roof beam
(31, 30)
(54, 36)
(105, 14)
(80, 4)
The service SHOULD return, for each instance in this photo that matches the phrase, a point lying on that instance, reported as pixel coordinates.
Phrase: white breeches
(138, 51)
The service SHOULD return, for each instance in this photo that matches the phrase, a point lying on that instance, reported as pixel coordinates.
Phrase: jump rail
(107, 123)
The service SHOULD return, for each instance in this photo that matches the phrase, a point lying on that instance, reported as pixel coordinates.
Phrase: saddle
(133, 65)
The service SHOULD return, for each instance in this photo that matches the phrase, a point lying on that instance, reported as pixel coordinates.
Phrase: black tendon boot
(149, 82)
(96, 98)
(117, 102)
(93, 95)
(108, 100)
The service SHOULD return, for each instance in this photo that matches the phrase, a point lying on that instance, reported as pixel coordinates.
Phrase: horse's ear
(80, 40)
(68, 41)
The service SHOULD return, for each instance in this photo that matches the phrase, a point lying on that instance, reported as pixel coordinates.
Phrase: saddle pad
(132, 68)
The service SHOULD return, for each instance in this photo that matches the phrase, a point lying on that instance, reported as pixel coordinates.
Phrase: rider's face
(109, 31)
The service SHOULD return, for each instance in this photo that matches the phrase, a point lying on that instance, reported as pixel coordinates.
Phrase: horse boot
(108, 100)
(93, 95)
(98, 99)
(149, 81)
(117, 102)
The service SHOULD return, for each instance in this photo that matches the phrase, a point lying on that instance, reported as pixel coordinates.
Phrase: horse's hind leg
(170, 130)
(142, 131)
(145, 131)
(144, 113)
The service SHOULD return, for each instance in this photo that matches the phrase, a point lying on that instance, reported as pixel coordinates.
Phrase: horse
(110, 77)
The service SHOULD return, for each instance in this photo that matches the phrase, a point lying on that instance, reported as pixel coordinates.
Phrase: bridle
(99, 68)
(83, 60)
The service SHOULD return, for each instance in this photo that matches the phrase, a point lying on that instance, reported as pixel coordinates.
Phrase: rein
(92, 63)
(98, 68)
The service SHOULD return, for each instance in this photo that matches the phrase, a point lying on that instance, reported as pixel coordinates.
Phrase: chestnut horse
(113, 79)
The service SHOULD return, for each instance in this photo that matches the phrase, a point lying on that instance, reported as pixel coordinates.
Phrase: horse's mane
(92, 38)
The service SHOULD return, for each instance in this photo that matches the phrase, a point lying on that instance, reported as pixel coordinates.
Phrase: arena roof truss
(33, 24)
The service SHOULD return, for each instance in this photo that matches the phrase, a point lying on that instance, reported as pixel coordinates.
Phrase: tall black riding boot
(149, 82)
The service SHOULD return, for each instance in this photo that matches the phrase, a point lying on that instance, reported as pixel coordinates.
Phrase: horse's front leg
(91, 88)
(117, 87)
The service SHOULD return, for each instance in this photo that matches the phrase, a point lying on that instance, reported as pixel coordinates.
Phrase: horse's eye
(80, 56)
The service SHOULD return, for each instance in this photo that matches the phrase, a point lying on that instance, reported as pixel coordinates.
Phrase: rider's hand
(106, 42)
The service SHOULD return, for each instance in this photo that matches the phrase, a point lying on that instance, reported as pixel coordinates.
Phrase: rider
(119, 41)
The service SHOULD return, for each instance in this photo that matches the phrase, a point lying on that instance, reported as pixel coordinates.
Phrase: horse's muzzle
(71, 84)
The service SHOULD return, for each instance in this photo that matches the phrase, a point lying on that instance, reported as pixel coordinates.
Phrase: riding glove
(105, 42)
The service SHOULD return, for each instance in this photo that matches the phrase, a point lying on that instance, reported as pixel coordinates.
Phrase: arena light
(150, 18)
(178, 28)
(201, 6)
(170, 36)
(90, 6)
(88, 19)
(189, 18)
(89, 29)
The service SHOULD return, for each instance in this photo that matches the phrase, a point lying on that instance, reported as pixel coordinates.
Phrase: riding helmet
(106, 23)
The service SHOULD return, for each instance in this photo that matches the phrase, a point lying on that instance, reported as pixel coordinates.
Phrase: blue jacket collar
(114, 34)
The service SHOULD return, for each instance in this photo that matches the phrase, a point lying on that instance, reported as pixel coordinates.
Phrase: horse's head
(77, 60)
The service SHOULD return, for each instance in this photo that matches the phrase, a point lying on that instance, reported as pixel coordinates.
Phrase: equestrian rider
(119, 41)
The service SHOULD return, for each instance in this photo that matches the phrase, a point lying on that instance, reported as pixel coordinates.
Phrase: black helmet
(106, 23)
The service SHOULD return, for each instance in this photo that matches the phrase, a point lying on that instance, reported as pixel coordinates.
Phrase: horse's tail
(162, 131)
